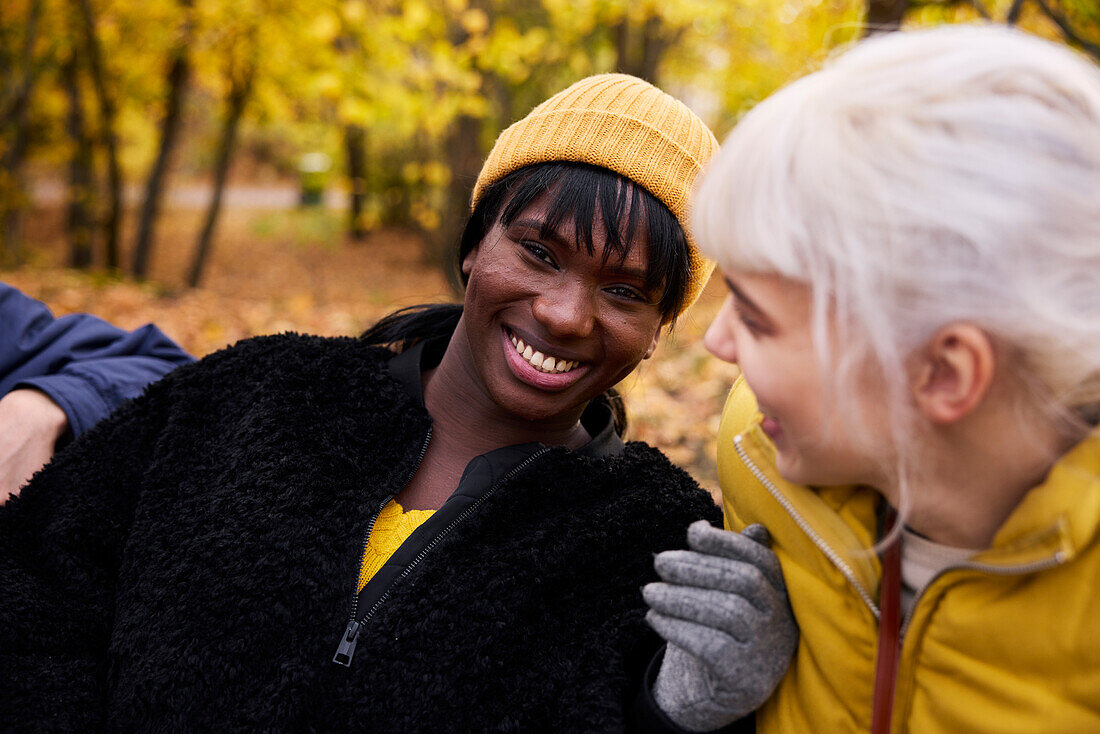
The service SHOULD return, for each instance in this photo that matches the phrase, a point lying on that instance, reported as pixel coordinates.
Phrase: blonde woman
(911, 239)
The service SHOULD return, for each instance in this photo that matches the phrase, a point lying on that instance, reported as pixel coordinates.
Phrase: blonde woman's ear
(953, 373)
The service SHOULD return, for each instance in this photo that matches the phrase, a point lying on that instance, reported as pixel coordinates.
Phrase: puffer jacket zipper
(346, 649)
(1042, 564)
(816, 539)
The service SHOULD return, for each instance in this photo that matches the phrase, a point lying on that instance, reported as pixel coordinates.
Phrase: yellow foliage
(405, 70)
(324, 28)
(327, 84)
(426, 216)
(357, 110)
(417, 15)
(475, 21)
(356, 12)
(436, 174)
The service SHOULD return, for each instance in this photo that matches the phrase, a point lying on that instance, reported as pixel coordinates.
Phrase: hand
(731, 634)
(30, 425)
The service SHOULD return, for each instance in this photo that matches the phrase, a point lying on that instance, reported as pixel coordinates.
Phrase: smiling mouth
(541, 362)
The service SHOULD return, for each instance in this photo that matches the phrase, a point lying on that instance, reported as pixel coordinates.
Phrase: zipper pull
(345, 651)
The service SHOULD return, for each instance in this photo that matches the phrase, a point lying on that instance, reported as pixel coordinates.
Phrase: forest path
(196, 195)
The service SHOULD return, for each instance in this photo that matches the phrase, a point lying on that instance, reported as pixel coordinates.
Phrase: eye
(628, 292)
(750, 323)
(537, 251)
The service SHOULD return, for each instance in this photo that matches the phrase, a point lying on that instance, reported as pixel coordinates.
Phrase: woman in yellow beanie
(434, 527)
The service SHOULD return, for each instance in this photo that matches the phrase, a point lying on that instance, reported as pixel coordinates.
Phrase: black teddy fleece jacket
(187, 566)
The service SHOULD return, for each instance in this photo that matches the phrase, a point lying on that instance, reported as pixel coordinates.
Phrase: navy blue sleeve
(87, 366)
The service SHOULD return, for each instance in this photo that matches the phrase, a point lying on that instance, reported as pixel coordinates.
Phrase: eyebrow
(541, 227)
(636, 273)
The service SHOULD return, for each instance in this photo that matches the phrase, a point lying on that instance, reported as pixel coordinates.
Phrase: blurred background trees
(146, 147)
(114, 99)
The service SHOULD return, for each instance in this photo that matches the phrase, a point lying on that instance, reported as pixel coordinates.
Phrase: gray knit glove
(731, 635)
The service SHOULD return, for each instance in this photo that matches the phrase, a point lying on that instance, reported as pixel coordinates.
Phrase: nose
(719, 339)
(568, 310)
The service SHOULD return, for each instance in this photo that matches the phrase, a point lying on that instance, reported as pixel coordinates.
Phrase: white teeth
(540, 361)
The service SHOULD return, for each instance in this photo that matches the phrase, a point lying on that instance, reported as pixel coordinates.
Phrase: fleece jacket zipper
(346, 648)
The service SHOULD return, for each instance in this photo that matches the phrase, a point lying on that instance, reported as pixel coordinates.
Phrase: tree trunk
(653, 48)
(354, 140)
(11, 214)
(884, 16)
(1014, 11)
(80, 170)
(623, 47)
(238, 98)
(112, 222)
(13, 121)
(464, 157)
(17, 93)
(178, 76)
(638, 51)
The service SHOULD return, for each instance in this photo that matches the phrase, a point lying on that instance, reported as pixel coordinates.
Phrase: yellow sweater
(1006, 643)
(390, 530)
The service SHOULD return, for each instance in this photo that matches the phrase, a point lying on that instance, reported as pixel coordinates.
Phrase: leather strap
(889, 636)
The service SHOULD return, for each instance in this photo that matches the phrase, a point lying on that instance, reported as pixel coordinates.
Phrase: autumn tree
(81, 199)
(102, 82)
(238, 49)
(18, 58)
(179, 73)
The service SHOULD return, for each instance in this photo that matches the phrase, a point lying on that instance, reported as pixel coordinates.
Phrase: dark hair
(407, 326)
(576, 191)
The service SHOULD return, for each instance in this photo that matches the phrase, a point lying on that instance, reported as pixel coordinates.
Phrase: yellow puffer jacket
(1008, 642)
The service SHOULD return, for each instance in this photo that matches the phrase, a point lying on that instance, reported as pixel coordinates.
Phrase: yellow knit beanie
(621, 123)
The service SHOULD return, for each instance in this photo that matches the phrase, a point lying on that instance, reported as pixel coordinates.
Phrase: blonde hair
(924, 178)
